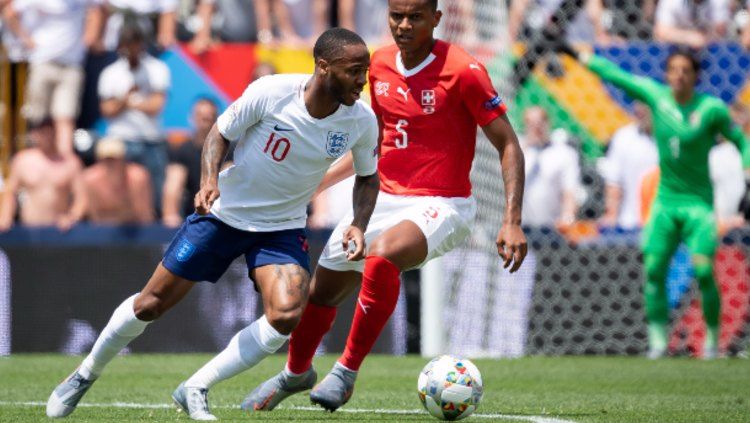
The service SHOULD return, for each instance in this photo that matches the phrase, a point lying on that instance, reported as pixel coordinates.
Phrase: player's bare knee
(148, 307)
(284, 320)
(326, 298)
(380, 248)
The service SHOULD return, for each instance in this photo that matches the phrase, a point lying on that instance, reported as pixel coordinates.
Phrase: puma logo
(403, 93)
(362, 306)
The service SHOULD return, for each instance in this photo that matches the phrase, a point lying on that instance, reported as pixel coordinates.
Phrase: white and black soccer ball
(450, 388)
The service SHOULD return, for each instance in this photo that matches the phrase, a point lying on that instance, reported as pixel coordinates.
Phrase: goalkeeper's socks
(121, 329)
(712, 338)
(246, 349)
(376, 302)
(315, 323)
(657, 337)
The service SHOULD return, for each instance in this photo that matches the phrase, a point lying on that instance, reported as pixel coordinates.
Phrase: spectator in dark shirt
(183, 174)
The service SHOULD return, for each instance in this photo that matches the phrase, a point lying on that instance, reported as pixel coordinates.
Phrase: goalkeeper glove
(560, 45)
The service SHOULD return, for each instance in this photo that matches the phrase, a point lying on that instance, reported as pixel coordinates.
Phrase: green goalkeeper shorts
(695, 224)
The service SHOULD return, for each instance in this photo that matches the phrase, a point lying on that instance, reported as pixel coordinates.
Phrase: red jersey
(429, 117)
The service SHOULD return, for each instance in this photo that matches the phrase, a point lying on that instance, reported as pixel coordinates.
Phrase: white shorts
(444, 221)
(53, 90)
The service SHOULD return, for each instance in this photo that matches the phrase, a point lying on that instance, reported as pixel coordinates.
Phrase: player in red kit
(429, 96)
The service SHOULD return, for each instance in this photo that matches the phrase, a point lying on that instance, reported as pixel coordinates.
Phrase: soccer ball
(450, 388)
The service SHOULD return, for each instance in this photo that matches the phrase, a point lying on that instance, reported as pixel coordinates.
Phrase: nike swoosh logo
(280, 129)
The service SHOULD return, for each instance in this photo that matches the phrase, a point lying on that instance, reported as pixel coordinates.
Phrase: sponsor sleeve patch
(493, 103)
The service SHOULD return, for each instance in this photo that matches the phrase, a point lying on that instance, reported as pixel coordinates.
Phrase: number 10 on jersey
(278, 148)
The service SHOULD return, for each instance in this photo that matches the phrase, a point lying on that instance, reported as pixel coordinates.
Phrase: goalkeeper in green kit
(685, 125)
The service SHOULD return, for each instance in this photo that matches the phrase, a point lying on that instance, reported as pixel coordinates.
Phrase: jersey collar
(413, 71)
(299, 98)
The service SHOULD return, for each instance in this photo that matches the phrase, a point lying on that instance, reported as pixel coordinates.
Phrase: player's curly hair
(331, 42)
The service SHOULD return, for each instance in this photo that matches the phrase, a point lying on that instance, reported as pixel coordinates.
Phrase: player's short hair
(206, 99)
(330, 44)
(433, 5)
(687, 53)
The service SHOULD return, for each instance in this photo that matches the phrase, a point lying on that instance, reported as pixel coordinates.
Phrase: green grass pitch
(533, 389)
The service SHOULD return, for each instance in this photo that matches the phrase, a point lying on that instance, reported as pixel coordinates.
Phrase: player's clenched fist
(354, 243)
(511, 246)
(205, 198)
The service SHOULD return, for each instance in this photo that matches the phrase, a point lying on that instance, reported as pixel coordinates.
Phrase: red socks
(315, 323)
(377, 300)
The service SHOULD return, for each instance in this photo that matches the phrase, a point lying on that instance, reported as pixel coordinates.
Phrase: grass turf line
(581, 389)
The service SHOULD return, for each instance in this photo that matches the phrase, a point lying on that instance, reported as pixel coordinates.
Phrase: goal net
(581, 297)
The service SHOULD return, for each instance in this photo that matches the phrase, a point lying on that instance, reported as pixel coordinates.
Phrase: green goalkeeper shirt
(684, 133)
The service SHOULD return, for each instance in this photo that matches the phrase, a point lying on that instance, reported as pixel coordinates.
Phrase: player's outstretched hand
(205, 198)
(354, 243)
(511, 246)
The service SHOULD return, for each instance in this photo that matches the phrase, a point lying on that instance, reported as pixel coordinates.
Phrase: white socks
(122, 328)
(245, 350)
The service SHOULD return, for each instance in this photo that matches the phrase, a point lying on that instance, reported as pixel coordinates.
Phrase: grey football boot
(193, 401)
(66, 396)
(335, 389)
(267, 395)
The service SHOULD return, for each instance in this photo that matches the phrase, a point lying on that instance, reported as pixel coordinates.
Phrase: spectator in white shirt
(631, 155)
(368, 18)
(196, 24)
(56, 35)
(297, 22)
(145, 12)
(132, 92)
(694, 23)
(728, 176)
(529, 16)
(745, 35)
(552, 175)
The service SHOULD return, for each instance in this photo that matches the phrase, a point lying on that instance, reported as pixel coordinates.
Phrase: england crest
(185, 250)
(337, 143)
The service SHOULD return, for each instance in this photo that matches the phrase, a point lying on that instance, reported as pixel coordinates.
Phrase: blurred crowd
(60, 49)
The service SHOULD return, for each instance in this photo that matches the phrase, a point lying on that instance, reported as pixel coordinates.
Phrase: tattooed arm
(511, 242)
(364, 196)
(214, 150)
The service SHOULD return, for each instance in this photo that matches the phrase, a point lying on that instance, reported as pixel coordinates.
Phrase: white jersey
(56, 26)
(283, 153)
(551, 171)
(727, 176)
(690, 14)
(631, 156)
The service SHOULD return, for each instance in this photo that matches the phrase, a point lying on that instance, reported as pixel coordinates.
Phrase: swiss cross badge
(428, 101)
(381, 88)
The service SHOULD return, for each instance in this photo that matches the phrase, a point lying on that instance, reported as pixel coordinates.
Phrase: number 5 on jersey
(402, 142)
(277, 148)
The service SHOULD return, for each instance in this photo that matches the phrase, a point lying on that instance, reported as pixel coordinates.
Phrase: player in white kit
(289, 129)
